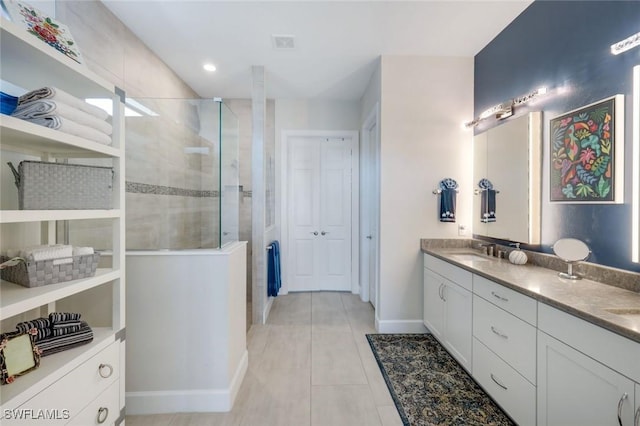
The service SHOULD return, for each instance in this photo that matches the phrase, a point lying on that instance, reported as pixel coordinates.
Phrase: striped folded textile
(55, 344)
(61, 317)
(53, 93)
(43, 325)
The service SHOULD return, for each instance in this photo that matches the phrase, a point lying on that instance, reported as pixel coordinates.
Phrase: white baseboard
(400, 326)
(188, 401)
(267, 310)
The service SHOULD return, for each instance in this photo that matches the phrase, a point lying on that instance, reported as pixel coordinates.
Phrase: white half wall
(424, 101)
(186, 329)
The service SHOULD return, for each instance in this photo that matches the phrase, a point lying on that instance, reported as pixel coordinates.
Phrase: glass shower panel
(174, 173)
(230, 190)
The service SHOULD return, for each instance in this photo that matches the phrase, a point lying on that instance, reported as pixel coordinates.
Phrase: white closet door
(319, 213)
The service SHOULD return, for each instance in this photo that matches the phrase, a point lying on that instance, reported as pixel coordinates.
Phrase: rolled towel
(64, 331)
(50, 108)
(71, 127)
(56, 94)
(82, 251)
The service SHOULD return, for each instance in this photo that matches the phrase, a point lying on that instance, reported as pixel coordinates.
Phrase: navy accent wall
(566, 45)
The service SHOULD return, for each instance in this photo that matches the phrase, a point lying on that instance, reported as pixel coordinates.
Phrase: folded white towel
(56, 94)
(51, 252)
(43, 252)
(50, 108)
(82, 251)
(71, 127)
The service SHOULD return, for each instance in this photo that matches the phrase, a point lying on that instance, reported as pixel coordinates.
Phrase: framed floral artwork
(43, 27)
(587, 153)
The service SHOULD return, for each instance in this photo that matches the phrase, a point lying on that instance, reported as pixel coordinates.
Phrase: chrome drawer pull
(497, 296)
(637, 417)
(504, 336)
(103, 413)
(622, 398)
(497, 381)
(105, 367)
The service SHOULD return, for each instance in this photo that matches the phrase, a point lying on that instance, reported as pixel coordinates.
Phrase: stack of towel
(56, 109)
(59, 332)
(61, 253)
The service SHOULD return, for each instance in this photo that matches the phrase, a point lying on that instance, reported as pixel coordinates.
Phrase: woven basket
(44, 272)
(57, 186)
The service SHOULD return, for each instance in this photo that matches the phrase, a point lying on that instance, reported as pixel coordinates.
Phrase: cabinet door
(433, 305)
(574, 389)
(637, 412)
(457, 323)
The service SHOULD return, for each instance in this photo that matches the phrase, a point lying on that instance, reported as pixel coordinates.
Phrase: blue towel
(8, 103)
(274, 280)
(448, 205)
(488, 206)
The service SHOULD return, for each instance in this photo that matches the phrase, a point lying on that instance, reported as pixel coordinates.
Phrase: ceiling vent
(283, 42)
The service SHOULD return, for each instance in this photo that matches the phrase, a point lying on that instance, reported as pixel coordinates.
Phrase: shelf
(52, 368)
(30, 63)
(20, 216)
(28, 138)
(17, 299)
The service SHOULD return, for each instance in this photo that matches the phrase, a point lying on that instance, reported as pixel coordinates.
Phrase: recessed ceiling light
(209, 67)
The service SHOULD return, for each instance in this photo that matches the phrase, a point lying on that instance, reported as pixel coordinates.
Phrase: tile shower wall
(164, 218)
(242, 109)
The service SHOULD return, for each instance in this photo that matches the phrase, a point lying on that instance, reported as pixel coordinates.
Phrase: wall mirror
(507, 160)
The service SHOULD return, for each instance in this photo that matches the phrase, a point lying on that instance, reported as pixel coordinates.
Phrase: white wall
(372, 93)
(424, 101)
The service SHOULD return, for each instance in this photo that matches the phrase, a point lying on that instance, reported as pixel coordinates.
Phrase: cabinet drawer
(104, 410)
(451, 272)
(510, 338)
(613, 350)
(73, 391)
(508, 388)
(524, 307)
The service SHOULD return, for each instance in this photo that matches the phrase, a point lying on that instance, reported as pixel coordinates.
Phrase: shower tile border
(145, 188)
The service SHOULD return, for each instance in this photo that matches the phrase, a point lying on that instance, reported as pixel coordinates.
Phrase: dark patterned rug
(427, 384)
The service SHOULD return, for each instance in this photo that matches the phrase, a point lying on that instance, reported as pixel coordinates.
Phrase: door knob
(315, 232)
(368, 237)
(323, 233)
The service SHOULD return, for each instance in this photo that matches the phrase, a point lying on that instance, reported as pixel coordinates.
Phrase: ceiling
(336, 42)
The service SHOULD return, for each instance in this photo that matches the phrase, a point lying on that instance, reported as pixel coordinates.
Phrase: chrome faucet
(489, 249)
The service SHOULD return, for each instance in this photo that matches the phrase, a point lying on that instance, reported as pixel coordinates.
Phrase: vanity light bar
(626, 44)
(505, 109)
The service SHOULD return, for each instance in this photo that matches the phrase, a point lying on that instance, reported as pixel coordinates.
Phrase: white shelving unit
(29, 63)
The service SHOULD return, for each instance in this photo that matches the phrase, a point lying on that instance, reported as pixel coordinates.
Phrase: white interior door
(369, 211)
(319, 211)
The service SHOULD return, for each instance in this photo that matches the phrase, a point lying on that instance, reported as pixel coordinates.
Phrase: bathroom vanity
(549, 351)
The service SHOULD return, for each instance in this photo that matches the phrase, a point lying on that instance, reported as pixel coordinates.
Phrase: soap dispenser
(517, 256)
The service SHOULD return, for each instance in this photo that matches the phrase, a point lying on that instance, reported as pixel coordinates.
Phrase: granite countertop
(583, 298)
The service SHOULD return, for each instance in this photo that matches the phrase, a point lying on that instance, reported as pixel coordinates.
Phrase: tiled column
(258, 113)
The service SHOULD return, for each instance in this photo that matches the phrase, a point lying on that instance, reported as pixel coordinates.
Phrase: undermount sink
(625, 312)
(471, 256)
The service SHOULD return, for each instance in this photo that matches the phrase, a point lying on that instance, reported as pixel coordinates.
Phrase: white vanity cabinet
(447, 307)
(504, 347)
(586, 375)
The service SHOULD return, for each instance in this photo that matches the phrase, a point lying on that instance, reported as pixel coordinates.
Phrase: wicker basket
(44, 272)
(57, 186)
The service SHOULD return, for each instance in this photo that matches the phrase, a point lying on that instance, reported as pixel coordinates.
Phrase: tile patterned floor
(310, 365)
